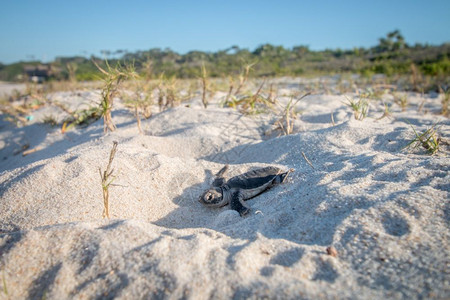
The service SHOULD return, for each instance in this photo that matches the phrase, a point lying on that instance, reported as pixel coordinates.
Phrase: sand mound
(383, 209)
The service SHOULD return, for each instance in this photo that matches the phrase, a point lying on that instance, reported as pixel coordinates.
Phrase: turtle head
(213, 197)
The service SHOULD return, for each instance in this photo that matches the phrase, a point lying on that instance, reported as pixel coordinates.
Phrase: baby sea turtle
(242, 187)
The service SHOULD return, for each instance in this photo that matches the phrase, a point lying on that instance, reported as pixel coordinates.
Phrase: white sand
(384, 209)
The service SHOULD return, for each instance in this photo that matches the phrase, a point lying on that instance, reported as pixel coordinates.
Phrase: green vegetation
(288, 114)
(5, 289)
(429, 140)
(392, 56)
(360, 108)
(112, 77)
(107, 179)
(79, 118)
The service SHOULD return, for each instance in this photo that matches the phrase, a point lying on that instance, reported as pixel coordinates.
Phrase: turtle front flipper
(220, 177)
(237, 203)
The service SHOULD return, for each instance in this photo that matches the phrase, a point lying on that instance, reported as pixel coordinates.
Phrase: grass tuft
(112, 78)
(107, 178)
(386, 112)
(360, 108)
(429, 140)
(445, 101)
(402, 101)
(285, 120)
(5, 289)
(81, 117)
(204, 80)
(50, 120)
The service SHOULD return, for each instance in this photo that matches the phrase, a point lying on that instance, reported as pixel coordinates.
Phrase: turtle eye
(209, 197)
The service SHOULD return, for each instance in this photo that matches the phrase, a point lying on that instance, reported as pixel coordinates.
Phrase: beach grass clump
(252, 103)
(243, 76)
(14, 114)
(401, 101)
(171, 93)
(386, 113)
(5, 288)
(288, 114)
(112, 78)
(107, 179)
(445, 101)
(141, 99)
(18, 107)
(72, 70)
(233, 93)
(360, 108)
(429, 140)
(82, 117)
(50, 120)
(204, 83)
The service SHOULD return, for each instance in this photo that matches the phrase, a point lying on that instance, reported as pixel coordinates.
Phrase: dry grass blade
(28, 152)
(307, 160)
(445, 101)
(204, 86)
(138, 119)
(5, 289)
(285, 122)
(243, 77)
(249, 103)
(230, 89)
(107, 178)
(141, 100)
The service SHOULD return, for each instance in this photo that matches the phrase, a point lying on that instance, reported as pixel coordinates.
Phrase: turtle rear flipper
(220, 177)
(237, 203)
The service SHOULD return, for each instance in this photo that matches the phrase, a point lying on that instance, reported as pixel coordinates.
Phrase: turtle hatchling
(242, 187)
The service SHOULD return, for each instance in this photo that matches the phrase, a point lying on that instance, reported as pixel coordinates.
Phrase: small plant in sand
(401, 100)
(50, 120)
(107, 179)
(445, 101)
(141, 100)
(204, 80)
(252, 103)
(14, 114)
(81, 117)
(169, 92)
(71, 70)
(386, 112)
(285, 122)
(416, 78)
(19, 107)
(429, 140)
(243, 76)
(360, 108)
(242, 79)
(112, 77)
(5, 289)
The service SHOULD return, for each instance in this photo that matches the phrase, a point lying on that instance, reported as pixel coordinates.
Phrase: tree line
(391, 56)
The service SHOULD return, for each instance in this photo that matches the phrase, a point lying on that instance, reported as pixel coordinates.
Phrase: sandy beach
(361, 217)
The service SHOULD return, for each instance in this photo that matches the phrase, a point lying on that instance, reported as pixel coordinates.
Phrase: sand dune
(383, 208)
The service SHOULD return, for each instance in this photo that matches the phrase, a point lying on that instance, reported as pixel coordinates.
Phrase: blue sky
(45, 29)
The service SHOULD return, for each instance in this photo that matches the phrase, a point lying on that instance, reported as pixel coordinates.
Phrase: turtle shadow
(185, 194)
